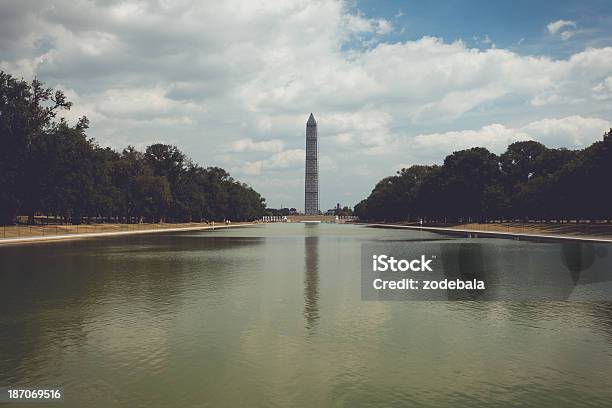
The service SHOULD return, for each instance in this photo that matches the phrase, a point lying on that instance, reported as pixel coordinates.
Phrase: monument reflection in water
(311, 279)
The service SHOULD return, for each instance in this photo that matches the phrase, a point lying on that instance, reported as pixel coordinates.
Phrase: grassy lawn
(17, 231)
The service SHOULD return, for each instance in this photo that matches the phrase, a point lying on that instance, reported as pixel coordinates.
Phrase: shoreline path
(96, 233)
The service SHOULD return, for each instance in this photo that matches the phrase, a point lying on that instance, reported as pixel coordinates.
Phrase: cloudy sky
(391, 83)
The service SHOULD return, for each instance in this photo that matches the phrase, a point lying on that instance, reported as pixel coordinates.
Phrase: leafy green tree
(528, 181)
(521, 161)
(65, 183)
(27, 111)
(467, 175)
(53, 168)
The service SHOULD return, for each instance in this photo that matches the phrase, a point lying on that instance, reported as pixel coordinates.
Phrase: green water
(272, 316)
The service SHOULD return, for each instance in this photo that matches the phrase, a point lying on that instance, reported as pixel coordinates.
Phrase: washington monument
(311, 185)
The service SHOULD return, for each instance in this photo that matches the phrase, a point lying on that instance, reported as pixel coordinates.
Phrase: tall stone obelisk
(311, 185)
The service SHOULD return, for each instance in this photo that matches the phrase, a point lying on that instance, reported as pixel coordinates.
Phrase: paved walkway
(62, 237)
(496, 234)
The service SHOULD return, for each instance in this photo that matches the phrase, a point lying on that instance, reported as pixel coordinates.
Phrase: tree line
(527, 182)
(50, 167)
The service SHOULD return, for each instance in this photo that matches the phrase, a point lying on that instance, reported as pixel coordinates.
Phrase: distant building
(340, 211)
(311, 185)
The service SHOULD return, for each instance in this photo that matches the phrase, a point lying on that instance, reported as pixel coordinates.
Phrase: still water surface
(272, 316)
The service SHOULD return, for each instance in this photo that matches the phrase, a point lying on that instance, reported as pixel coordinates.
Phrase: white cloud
(281, 160)
(572, 131)
(344, 138)
(566, 35)
(383, 26)
(495, 137)
(554, 26)
(603, 90)
(248, 145)
(566, 28)
(356, 23)
(140, 101)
